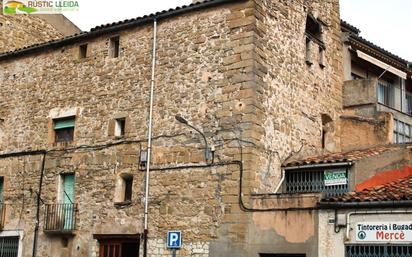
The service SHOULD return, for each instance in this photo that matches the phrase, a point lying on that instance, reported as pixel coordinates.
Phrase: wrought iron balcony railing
(60, 218)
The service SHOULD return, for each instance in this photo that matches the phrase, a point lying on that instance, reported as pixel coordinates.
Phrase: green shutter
(68, 186)
(66, 123)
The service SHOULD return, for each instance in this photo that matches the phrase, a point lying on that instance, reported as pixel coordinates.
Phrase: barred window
(331, 182)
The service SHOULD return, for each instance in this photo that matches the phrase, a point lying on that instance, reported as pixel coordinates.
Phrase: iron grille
(378, 250)
(9, 246)
(311, 181)
(60, 218)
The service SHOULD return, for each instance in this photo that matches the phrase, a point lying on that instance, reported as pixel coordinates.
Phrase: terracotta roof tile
(400, 189)
(344, 156)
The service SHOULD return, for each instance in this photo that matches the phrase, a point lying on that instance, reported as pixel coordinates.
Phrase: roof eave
(104, 29)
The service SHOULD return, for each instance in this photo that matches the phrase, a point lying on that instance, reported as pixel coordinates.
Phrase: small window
(119, 129)
(83, 51)
(124, 189)
(64, 129)
(128, 185)
(114, 47)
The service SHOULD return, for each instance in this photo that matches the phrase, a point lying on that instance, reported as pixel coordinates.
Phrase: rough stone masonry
(236, 71)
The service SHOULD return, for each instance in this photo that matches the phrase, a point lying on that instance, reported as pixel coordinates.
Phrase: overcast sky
(384, 22)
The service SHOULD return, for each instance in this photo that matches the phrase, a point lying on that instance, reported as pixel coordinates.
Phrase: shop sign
(335, 177)
(396, 232)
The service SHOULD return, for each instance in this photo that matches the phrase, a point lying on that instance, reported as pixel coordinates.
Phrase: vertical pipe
(149, 143)
(36, 228)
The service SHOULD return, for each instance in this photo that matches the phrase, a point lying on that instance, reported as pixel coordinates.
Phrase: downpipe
(149, 143)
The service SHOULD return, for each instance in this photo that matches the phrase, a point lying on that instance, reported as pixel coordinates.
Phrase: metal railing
(311, 181)
(60, 217)
(9, 246)
(378, 250)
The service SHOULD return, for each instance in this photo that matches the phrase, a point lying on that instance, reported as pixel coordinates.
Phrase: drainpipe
(149, 143)
(370, 213)
(36, 228)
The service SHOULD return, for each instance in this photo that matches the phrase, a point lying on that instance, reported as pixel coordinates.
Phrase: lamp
(207, 149)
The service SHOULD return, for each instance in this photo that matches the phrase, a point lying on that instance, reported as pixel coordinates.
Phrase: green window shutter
(68, 186)
(66, 123)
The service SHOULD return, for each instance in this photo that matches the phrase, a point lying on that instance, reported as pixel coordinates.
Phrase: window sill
(121, 205)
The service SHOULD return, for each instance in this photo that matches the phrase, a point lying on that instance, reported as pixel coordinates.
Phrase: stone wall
(22, 30)
(236, 72)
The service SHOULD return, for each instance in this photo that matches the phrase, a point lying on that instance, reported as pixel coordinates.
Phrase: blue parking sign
(174, 239)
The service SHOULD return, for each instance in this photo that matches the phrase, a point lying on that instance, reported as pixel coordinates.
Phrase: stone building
(244, 92)
(262, 80)
(377, 94)
(18, 31)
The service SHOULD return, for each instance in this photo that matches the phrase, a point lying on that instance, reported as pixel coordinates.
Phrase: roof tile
(400, 189)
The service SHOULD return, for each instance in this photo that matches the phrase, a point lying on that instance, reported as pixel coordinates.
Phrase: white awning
(381, 64)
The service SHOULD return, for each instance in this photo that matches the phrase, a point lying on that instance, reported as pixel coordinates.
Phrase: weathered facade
(377, 94)
(246, 73)
(18, 31)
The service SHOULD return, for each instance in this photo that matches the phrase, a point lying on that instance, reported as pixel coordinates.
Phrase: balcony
(60, 218)
(366, 96)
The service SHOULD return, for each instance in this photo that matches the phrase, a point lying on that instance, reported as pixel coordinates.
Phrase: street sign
(385, 232)
(174, 239)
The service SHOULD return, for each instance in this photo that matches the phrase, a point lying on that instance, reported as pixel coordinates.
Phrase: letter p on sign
(174, 239)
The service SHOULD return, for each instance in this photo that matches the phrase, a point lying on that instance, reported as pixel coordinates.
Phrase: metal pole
(149, 142)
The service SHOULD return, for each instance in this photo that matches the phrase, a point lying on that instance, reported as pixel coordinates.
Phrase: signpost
(174, 241)
(386, 232)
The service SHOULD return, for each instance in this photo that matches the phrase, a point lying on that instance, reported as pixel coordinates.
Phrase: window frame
(114, 47)
(65, 133)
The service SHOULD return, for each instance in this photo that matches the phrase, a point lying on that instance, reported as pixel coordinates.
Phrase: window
(83, 51)
(118, 245)
(124, 189)
(384, 250)
(64, 129)
(408, 97)
(327, 127)
(402, 132)
(114, 47)
(331, 182)
(61, 217)
(313, 33)
(9, 246)
(386, 94)
(119, 129)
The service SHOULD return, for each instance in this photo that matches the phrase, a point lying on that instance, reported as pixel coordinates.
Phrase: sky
(383, 22)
